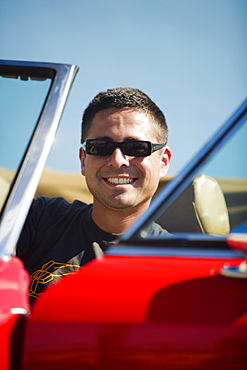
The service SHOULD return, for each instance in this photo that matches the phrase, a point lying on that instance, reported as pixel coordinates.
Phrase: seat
(201, 208)
(210, 206)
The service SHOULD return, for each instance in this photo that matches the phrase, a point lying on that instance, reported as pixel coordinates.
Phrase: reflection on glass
(20, 105)
(216, 200)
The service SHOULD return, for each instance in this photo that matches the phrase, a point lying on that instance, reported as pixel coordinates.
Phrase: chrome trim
(236, 272)
(135, 251)
(19, 311)
(183, 244)
(26, 182)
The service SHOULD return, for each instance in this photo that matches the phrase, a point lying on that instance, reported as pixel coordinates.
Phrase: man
(123, 157)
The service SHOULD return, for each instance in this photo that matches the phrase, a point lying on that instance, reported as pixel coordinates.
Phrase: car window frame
(26, 180)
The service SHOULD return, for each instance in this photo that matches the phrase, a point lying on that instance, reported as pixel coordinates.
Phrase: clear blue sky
(189, 56)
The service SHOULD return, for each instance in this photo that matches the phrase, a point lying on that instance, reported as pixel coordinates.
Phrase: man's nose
(118, 159)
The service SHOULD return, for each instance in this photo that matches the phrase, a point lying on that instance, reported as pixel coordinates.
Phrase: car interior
(201, 208)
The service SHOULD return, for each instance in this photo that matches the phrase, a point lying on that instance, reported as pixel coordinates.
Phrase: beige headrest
(210, 206)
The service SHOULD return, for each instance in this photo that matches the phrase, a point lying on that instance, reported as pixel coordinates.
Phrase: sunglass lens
(99, 147)
(136, 148)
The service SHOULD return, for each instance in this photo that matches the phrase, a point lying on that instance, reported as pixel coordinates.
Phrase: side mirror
(237, 240)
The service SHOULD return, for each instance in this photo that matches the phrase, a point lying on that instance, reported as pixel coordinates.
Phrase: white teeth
(121, 180)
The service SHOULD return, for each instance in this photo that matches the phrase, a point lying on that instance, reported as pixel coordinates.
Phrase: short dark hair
(120, 98)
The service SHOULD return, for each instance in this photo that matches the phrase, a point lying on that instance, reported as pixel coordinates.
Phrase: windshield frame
(24, 185)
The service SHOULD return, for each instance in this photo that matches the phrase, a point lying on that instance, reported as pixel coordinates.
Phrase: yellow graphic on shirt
(50, 271)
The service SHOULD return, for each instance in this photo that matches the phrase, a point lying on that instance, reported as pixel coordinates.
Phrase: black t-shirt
(59, 237)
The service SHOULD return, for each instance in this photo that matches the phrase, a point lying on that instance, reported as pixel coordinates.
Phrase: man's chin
(120, 204)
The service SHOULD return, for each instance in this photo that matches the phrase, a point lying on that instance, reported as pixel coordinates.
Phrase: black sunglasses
(133, 148)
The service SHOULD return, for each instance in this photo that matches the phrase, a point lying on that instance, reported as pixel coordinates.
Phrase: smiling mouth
(119, 180)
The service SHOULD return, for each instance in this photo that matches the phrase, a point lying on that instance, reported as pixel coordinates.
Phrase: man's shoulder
(57, 201)
(156, 229)
(57, 205)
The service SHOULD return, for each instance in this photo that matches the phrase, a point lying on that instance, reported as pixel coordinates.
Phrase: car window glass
(21, 102)
(216, 195)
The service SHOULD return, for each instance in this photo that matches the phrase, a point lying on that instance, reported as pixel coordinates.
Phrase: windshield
(215, 201)
(21, 101)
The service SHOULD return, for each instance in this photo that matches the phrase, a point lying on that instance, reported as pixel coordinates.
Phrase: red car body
(14, 284)
(139, 312)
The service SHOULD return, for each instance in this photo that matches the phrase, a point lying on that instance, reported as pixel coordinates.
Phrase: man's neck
(115, 221)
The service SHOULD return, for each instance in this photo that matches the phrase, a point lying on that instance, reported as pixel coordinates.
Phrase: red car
(151, 302)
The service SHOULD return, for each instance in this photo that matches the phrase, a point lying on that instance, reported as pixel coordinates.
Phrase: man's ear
(165, 161)
(82, 160)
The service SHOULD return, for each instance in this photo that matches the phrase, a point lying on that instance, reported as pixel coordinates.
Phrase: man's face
(119, 182)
